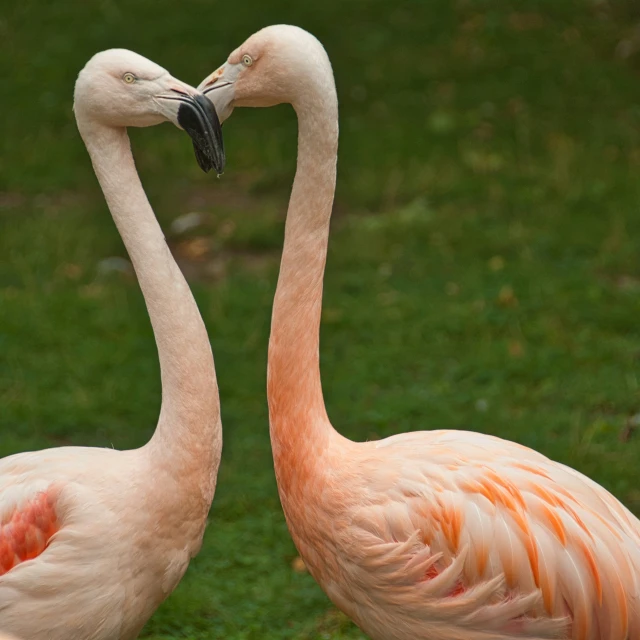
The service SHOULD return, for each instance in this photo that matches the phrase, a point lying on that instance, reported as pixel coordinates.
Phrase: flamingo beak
(198, 117)
(219, 88)
(189, 110)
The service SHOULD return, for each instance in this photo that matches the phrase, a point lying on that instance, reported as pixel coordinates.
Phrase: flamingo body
(452, 534)
(112, 559)
(436, 535)
(93, 540)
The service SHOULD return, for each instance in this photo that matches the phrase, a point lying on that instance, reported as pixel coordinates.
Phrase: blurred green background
(484, 267)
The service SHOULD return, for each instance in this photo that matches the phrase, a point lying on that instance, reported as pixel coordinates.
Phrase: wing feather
(487, 534)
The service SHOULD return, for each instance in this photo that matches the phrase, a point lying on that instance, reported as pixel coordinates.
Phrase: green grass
(484, 267)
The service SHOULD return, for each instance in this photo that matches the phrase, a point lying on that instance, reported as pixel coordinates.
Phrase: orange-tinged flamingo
(433, 535)
(93, 540)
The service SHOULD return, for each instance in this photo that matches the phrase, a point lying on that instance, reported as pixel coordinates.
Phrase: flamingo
(430, 535)
(92, 540)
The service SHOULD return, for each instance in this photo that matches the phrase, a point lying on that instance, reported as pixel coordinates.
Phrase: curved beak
(219, 88)
(197, 117)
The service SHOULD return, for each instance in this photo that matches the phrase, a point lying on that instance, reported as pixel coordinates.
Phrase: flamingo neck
(189, 435)
(298, 419)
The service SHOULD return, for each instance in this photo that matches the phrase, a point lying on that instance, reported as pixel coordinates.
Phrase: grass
(484, 268)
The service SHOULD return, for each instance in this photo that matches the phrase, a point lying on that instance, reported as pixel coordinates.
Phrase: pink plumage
(440, 535)
(26, 529)
(93, 540)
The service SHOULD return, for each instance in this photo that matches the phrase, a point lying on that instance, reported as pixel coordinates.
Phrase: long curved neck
(297, 413)
(188, 431)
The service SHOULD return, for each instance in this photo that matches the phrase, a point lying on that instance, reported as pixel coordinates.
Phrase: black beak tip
(204, 161)
(199, 119)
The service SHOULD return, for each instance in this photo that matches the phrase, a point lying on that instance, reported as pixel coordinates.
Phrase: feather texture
(93, 540)
(440, 535)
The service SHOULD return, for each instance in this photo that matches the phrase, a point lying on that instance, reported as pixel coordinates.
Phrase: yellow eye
(129, 78)
(247, 60)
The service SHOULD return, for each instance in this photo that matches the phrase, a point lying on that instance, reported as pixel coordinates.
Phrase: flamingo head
(278, 64)
(119, 88)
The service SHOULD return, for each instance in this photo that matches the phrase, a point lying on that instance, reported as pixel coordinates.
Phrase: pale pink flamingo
(440, 535)
(93, 540)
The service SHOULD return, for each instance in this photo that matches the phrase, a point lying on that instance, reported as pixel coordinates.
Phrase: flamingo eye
(247, 60)
(129, 78)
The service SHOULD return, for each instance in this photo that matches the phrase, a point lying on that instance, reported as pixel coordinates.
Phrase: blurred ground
(484, 269)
